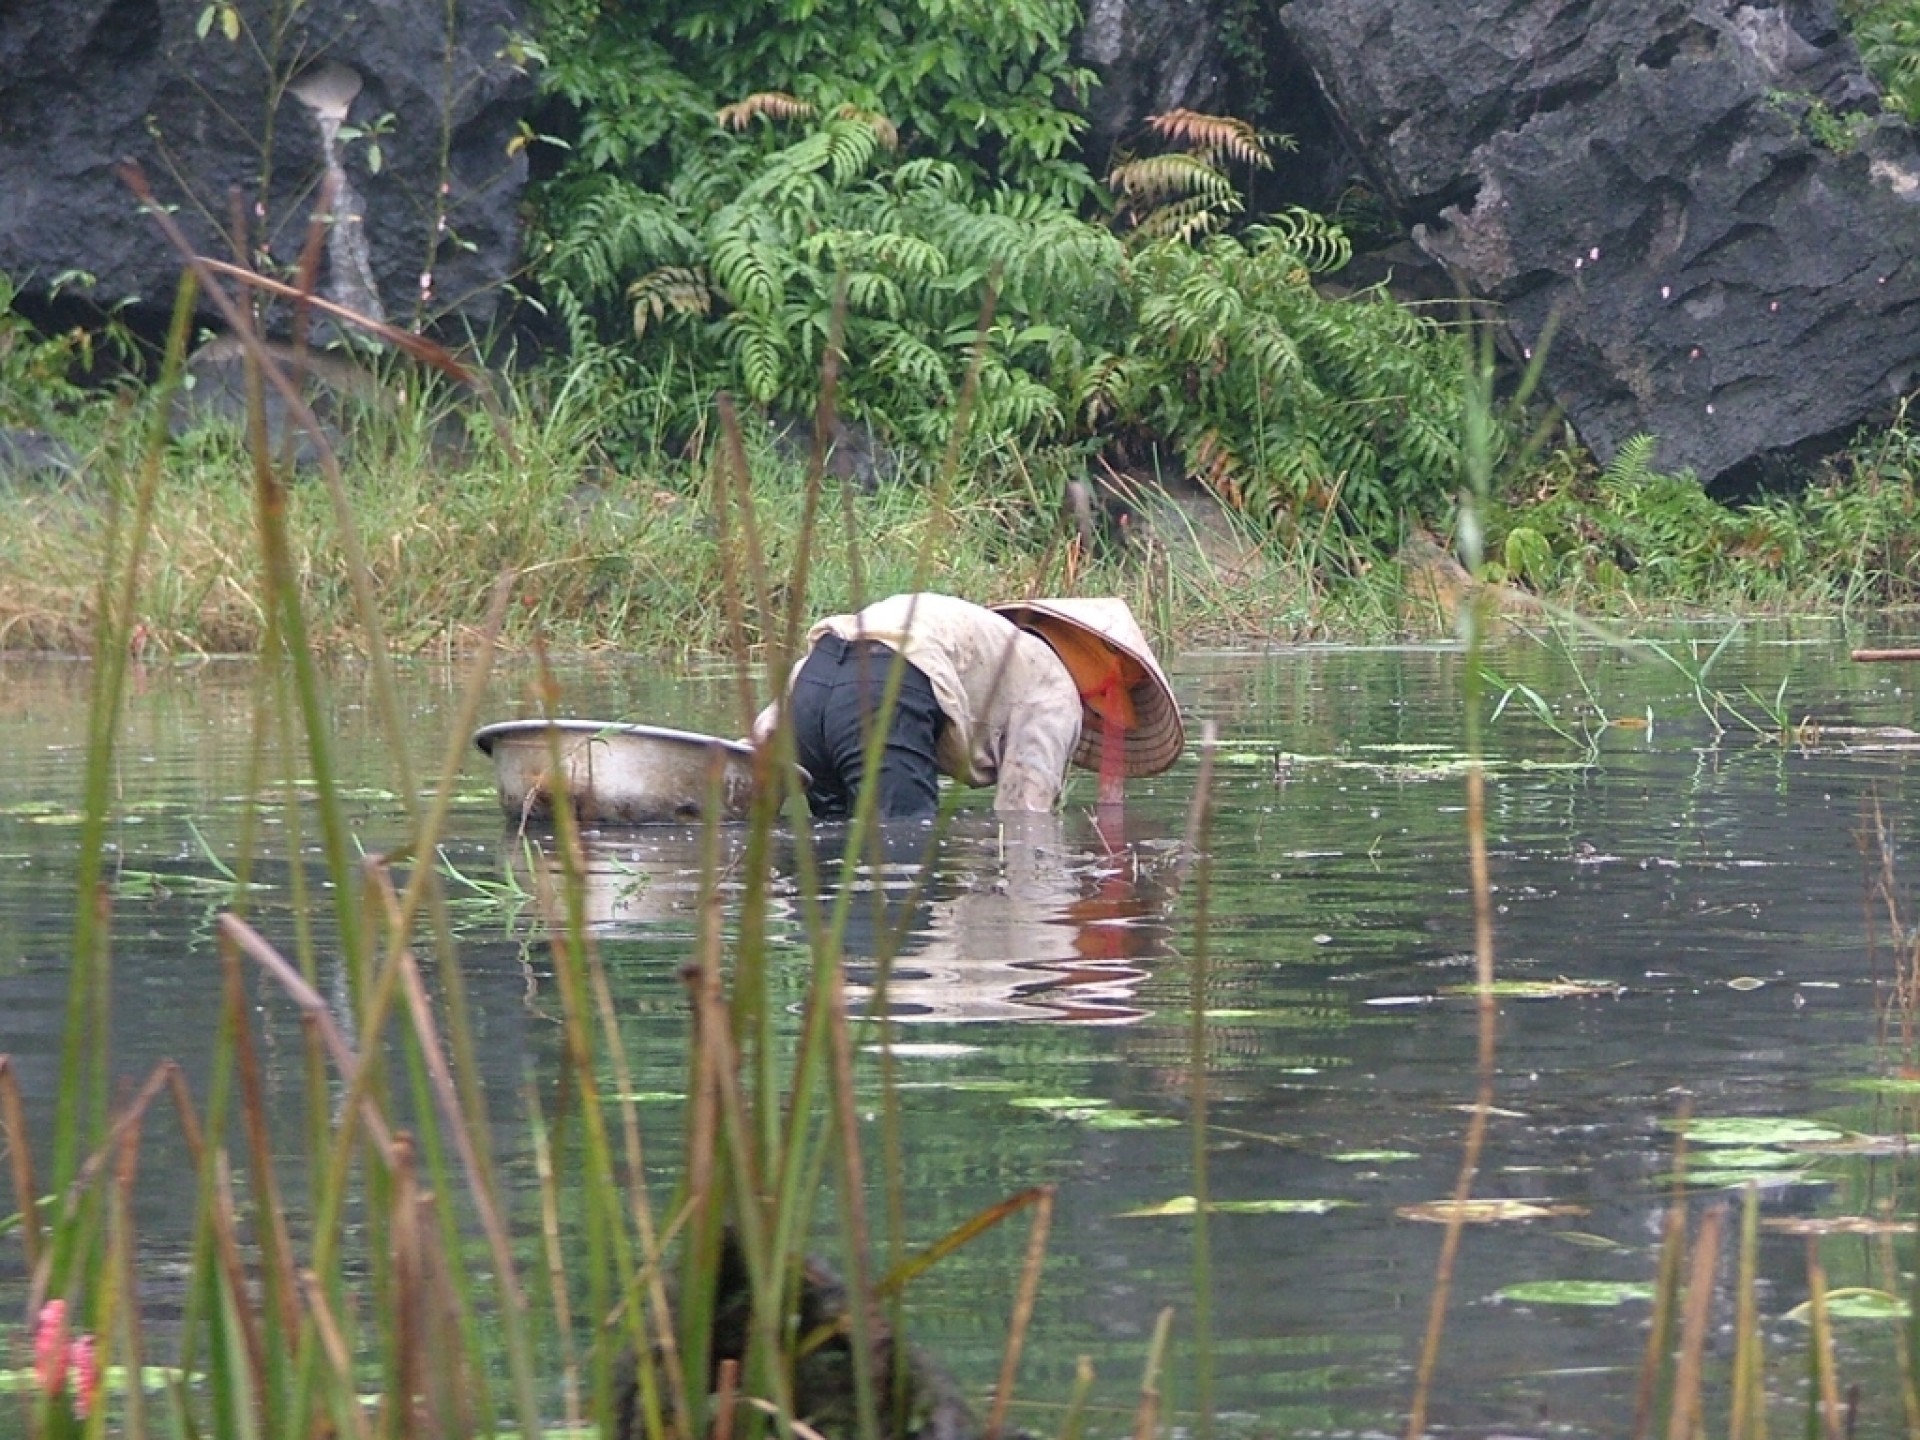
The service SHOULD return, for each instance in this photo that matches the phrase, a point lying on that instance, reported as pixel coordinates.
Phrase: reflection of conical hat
(1118, 677)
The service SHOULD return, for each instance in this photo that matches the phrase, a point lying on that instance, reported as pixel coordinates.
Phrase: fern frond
(670, 290)
(1632, 463)
(755, 344)
(1217, 467)
(1214, 138)
(870, 293)
(883, 129)
(926, 175)
(774, 104)
(1320, 244)
(1184, 221)
(746, 272)
(1154, 178)
(616, 230)
(851, 146)
(908, 358)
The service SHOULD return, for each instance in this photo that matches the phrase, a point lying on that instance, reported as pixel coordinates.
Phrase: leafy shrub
(37, 372)
(1630, 530)
(728, 240)
(1888, 34)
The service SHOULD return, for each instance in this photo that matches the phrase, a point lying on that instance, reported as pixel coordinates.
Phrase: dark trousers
(835, 703)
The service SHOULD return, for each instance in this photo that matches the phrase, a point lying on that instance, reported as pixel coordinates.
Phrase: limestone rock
(1699, 195)
(86, 83)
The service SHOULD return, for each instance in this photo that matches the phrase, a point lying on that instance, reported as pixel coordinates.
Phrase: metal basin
(618, 774)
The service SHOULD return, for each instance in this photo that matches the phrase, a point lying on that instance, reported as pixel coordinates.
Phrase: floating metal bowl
(618, 774)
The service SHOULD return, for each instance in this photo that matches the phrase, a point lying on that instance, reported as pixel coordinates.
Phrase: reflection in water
(1010, 920)
(639, 876)
(1673, 865)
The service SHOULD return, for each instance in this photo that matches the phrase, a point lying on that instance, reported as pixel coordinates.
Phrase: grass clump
(447, 495)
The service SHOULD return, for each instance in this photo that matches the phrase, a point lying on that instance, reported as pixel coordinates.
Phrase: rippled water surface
(1711, 889)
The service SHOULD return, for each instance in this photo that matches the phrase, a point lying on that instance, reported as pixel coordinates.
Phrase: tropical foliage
(906, 177)
(1629, 530)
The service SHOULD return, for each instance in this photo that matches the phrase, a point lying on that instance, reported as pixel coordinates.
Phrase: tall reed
(384, 1292)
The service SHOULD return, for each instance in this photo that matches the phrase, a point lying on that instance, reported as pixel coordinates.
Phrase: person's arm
(1041, 734)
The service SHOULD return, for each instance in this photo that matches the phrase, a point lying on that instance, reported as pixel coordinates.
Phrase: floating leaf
(1857, 1302)
(924, 1050)
(1124, 1120)
(1837, 1225)
(1746, 982)
(1749, 1130)
(1374, 1157)
(1059, 1102)
(1186, 1205)
(1884, 1084)
(1710, 1178)
(1485, 1212)
(1588, 1241)
(1861, 1145)
(1751, 1158)
(1561, 989)
(1576, 1292)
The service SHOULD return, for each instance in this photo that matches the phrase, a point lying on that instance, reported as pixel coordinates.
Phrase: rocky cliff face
(1695, 197)
(414, 120)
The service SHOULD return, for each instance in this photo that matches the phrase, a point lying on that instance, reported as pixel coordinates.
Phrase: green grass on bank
(631, 555)
(608, 556)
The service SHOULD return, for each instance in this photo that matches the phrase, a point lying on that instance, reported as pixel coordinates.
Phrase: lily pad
(1751, 1130)
(1884, 1084)
(1576, 1292)
(1857, 1302)
(1485, 1212)
(1058, 1102)
(1752, 1158)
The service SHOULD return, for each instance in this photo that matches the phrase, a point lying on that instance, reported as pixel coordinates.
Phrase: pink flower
(84, 1368)
(50, 1347)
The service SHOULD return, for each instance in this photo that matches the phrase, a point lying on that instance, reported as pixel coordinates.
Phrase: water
(1710, 890)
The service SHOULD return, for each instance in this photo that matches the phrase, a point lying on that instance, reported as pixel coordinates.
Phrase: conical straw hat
(1105, 651)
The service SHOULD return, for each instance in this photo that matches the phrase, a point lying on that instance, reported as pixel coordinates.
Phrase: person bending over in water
(983, 699)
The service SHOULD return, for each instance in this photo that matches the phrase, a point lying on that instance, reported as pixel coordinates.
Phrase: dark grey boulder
(29, 454)
(1701, 193)
(87, 83)
(1151, 56)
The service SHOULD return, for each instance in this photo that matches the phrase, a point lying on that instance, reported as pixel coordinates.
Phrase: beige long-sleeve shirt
(1013, 711)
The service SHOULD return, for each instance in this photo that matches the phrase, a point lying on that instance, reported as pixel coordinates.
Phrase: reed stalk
(398, 1270)
(1199, 1007)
